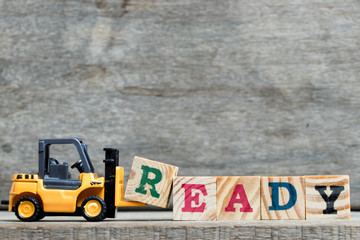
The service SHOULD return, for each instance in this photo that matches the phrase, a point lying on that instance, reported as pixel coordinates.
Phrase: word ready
(239, 197)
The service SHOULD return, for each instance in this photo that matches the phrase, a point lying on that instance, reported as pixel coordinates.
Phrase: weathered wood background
(216, 87)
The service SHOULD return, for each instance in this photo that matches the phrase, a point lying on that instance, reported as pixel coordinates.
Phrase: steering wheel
(78, 165)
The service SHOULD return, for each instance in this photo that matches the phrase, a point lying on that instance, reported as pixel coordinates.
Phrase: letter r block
(150, 182)
(282, 198)
(194, 198)
(327, 197)
(238, 198)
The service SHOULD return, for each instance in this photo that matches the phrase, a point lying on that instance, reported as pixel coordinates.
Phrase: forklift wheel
(93, 209)
(27, 209)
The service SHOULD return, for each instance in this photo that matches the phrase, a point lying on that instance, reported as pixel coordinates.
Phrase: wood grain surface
(159, 225)
(203, 196)
(163, 186)
(315, 203)
(297, 211)
(225, 192)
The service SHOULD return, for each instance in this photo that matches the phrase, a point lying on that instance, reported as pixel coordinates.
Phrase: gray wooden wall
(216, 87)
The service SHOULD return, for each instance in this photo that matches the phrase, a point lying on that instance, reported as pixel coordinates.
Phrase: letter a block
(238, 198)
(194, 198)
(282, 198)
(150, 182)
(327, 197)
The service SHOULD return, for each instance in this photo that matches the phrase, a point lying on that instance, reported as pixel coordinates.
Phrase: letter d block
(282, 198)
(327, 197)
(150, 182)
(194, 198)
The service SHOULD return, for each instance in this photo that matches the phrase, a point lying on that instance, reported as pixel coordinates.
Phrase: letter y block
(327, 197)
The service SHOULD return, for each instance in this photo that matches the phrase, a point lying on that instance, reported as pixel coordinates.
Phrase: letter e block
(282, 198)
(238, 198)
(150, 182)
(194, 198)
(327, 197)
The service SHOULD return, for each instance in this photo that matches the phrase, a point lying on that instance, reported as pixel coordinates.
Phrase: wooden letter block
(327, 197)
(194, 198)
(150, 182)
(282, 198)
(238, 198)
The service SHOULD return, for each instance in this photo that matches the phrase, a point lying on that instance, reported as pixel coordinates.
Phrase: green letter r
(145, 180)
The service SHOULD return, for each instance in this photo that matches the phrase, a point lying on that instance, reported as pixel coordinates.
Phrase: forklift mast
(111, 162)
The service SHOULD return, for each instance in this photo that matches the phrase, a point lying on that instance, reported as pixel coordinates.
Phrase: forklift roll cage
(44, 153)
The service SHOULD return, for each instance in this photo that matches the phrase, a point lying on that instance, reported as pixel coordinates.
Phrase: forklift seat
(59, 170)
(58, 177)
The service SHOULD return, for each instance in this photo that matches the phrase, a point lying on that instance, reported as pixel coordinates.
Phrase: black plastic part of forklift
(56, 175)
(111, 161)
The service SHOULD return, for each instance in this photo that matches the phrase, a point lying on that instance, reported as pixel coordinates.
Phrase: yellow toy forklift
(52, 192)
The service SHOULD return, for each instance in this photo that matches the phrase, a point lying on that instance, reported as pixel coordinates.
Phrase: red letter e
(189, 198)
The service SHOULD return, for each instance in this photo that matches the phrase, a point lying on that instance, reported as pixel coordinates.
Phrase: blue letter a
(275, 195)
